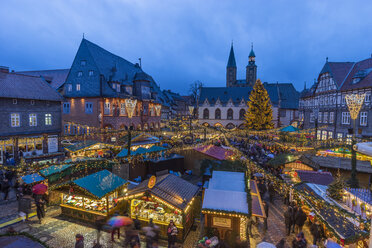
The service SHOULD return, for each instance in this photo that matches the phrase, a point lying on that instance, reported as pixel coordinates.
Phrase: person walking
(172, 234)
(316, 232)
(5, 188)
(79, 241)
(266, 208)
(39, 202)
(281, 244)
(288, 220)
(115, 229)
(293, 219)
(271, 191)
(300, 220)
(137, 223)
(100, 222)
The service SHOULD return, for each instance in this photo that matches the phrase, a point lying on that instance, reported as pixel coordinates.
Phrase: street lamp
(354, 103)
(316, 115)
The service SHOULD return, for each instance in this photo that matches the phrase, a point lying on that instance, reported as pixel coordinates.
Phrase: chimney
(4, 69)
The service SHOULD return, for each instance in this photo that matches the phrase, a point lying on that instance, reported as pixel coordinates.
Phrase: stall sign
(221, 222)
(152, 182)
(52, 144)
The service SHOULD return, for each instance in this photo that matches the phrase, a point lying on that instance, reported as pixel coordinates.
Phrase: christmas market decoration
(158, 110)
(336, 188)
(152, 182)
(89, 148)
(215, 152)
(130, 106)
(171, 198)
(260, 114)
(87, 198)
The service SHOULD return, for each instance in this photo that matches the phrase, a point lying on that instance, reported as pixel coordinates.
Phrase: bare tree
(195, 89)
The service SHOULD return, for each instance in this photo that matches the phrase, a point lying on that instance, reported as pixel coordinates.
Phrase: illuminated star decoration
(354, 103)
(130, 105)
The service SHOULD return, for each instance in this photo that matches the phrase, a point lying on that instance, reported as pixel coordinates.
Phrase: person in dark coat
(100, 222)
(288, 220)
(281, 244)
(266, 208)
(5, 188)
(299, 241)
(300, 220)
(39, 202)
(294, 211)
(79, 241)
(271, 191)
(317, 232)
(115, 229)
(137, 223)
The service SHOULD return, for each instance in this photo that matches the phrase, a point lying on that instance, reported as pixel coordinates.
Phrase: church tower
(251, 72)
(231, 69)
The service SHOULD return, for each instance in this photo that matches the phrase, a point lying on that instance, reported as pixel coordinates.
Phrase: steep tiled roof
(288, 95)
(169, 188)
(14, 85)
(361, 69)
(338, 70)
(308, 92)
(317, 177)
(54, 77)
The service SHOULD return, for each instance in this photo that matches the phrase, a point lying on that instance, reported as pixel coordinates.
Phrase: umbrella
(257, 174)
(118, 221)
(271, 155)
(265, 245)
(39, 189)
(332, 244)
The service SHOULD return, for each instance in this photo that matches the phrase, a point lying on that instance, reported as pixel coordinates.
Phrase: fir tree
(260, 114)
(336, 188)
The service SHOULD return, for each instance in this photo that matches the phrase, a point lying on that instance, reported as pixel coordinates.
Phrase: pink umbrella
(118, 221)
(39, 189)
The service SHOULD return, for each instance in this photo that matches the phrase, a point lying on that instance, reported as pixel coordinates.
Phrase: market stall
(162, 199)
(359, 200)
(225, 204)
(99, 194)
(90, 148)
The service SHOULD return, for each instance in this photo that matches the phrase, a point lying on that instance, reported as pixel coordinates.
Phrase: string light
(354, 103)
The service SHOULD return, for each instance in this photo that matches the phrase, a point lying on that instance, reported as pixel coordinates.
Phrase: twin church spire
(251, 70)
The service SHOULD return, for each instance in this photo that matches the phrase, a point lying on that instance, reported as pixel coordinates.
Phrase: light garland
(354, 103)
(130, 105)
(158, 110)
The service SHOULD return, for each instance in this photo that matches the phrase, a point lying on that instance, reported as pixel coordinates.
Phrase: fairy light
(130, 105)
(354, 103)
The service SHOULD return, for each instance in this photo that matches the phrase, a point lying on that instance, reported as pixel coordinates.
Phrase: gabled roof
(32, 178)
(361, 69)
(317, 177)
(100, 184)
(231, 62)
(170, 188)
(338, 70)
(308, 92)
(13, 85)
(56, 78)
(54, 169)
(215, 152)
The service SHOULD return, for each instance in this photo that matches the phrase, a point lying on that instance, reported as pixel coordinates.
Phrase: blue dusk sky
(184, 41)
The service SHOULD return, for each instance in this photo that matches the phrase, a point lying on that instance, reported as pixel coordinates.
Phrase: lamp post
(316, 115)
(354, 103)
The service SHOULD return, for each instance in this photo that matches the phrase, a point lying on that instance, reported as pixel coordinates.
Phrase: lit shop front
(163, 199)
(99, 194)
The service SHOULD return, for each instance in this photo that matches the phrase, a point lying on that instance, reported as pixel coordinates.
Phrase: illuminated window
(32, 120)
(15, 120)
(77, 87)
(48, 119)
(107, 108)
(122, 108)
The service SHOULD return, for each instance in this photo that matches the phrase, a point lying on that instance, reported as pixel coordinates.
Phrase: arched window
(241, 114)
(230, 114)
(206, 114)
(217, 114)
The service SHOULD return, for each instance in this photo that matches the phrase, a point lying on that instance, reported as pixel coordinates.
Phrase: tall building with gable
(324, 103)
(103, 90)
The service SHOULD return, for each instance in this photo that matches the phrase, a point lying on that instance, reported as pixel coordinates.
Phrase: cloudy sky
(184, 41)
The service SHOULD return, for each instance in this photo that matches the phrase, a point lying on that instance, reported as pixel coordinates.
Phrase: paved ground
(57, 231)
(18, 241)
(276, 228)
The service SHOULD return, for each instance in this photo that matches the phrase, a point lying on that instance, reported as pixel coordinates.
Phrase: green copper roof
(251, 54)
(231, 62)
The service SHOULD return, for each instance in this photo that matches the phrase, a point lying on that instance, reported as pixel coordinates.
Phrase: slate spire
(251, 54)
(231, 62)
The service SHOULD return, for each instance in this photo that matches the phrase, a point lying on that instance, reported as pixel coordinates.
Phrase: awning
(32, 178)
(141, 150)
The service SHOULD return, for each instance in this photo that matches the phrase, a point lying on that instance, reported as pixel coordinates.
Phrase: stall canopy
(89, 144)
(169, 188)
(317, 177)
(32, 178)
(144, 139)
(289, 129)
(365, 148)
(215, 152)
(226, 192)
(140, 150)
(54, 169)
(100, 184)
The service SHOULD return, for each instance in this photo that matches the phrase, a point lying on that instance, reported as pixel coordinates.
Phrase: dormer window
(83, 63)
(77, 87)
(356, 80)
(69, 87)
(91, 73)
(80, 74)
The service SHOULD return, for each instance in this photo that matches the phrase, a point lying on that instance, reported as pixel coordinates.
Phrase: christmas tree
(260, 114)
(336, 188)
